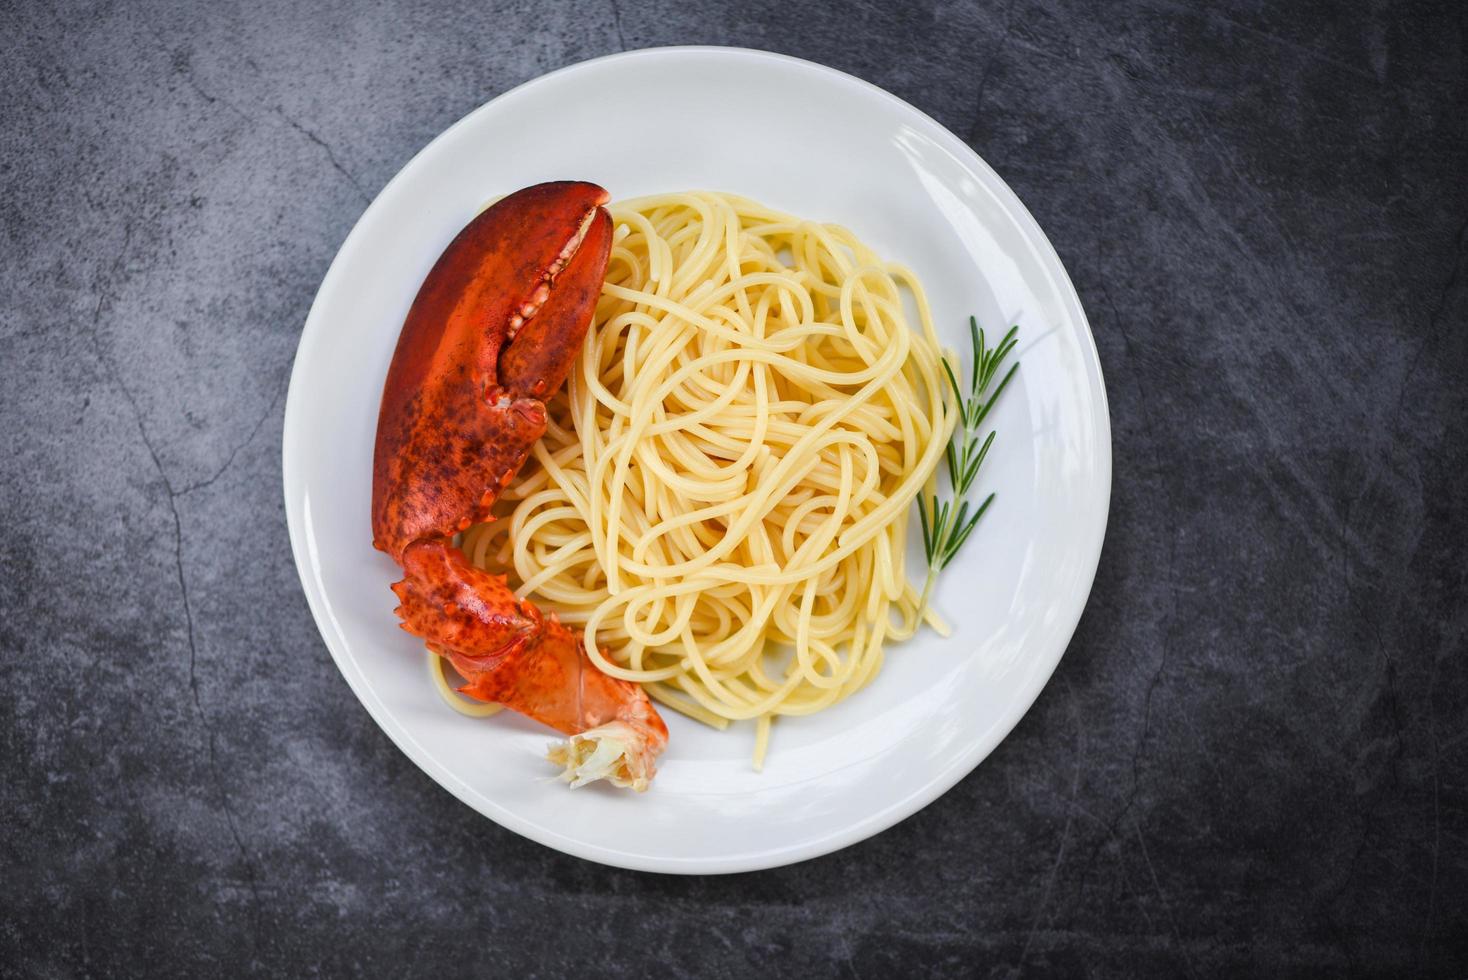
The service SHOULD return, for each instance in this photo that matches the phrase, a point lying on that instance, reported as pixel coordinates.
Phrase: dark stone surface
(1254, 757)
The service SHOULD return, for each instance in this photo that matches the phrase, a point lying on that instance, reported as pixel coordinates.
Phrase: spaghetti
(721, 498)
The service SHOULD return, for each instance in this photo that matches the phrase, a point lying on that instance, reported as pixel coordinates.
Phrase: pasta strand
(721, 500)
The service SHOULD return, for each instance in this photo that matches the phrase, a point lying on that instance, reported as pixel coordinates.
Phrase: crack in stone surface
(1167, 625)
(186, 72)
(330, 153)
(1070, 811)
(184, 68)
(235, 450)
(995, 51)
(170, 498)
(617, 23)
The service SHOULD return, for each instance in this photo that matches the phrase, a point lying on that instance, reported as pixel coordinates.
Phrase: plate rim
(840, 837)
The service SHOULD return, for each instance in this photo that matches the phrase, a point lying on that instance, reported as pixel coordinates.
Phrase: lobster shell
(493, 331)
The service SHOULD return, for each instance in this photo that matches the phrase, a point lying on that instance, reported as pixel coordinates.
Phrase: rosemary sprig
(947, 524)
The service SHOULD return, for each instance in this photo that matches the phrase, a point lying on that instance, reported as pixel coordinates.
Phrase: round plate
(823, 145)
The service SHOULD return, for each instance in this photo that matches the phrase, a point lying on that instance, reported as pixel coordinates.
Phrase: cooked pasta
(446, 690)
(721, 500)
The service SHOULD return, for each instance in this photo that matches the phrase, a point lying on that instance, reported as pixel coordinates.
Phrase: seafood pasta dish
(666, 452)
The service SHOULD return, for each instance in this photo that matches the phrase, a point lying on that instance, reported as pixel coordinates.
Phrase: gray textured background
(1254, 757)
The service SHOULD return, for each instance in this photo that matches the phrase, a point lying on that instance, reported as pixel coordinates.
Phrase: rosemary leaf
(947, 524)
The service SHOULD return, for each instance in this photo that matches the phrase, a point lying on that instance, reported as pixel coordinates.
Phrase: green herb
(947, 524)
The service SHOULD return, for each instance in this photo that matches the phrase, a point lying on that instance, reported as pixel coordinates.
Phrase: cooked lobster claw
(513, 655)
(493, 332)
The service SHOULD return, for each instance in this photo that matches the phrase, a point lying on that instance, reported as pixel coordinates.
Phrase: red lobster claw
(493, 332)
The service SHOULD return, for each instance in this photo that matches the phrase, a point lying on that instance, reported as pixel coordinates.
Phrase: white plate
(823, 145)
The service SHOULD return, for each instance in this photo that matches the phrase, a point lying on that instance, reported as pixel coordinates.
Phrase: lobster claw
(495, 328)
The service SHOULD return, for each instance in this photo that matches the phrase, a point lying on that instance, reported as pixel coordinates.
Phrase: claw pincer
(493, 332)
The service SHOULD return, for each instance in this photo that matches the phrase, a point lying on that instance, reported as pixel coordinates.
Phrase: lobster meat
(491, 335)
